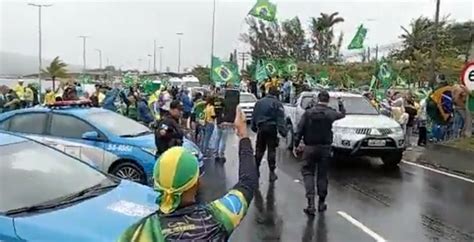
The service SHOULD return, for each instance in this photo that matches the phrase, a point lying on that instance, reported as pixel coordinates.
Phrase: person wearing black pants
(315, 128)
(267, 121)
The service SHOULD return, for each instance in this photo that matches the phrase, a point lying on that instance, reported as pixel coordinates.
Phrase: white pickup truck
(363, 132)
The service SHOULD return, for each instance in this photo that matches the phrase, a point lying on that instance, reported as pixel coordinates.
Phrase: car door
(7, 231)
(71, 128)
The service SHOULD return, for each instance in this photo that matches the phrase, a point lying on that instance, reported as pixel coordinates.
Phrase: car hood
(148, 141)
(102, 218)
(366, 121)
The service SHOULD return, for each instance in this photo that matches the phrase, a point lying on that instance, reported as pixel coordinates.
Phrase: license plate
(376, 142)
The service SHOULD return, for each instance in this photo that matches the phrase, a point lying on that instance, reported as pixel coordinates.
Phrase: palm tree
(323, 34)
(57, 68)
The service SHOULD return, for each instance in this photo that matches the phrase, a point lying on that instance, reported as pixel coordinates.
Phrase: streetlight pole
(149, 62)
(179, 51)
(40, 62)
(84, 38)
(435, 45)
(154, 56)
(213, 27)
(100, 58)
(161, 58)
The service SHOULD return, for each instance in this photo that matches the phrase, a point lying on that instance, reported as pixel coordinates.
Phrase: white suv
(363, 132)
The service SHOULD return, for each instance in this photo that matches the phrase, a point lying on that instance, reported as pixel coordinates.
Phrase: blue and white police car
(132, 143)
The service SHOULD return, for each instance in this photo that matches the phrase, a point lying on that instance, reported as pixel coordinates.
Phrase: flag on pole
(291, 67)
(224, 72)
(358, 40)
(265, 10)
(260, 72)
(384, 74)
(270, 68)
(373, 81)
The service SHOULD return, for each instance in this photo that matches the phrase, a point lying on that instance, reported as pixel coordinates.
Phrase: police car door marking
(121, 148)
(131, 209)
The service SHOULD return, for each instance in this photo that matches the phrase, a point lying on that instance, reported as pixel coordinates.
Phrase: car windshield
(353, 105)
(117, 124)
(247, 98)
(33, 174)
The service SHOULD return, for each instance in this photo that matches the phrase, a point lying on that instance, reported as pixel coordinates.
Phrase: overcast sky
(125, 30)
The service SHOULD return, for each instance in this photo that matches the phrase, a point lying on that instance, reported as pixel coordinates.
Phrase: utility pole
(40, 62)
(368, 54)
(149, 63)
(434, 49)
(154, 56)
(243, 57)
(179, 50)
(100, 58)
(84, 38)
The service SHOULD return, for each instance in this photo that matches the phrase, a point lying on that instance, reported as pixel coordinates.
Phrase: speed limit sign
(467, 76)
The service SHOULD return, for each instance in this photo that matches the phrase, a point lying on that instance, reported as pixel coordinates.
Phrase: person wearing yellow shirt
(29, 96)
(209, 118)
(20, 92)
(50, 97)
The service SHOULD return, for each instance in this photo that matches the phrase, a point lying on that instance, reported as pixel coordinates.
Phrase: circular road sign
(467, 76)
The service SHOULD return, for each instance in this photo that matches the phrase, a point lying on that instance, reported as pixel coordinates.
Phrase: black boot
(273, 176)
(322, 205)
(310, 210)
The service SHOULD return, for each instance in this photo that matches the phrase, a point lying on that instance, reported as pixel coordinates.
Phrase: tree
(294, 40)
(463, 36)
(57, 69)
(322, 31)
(203, 73)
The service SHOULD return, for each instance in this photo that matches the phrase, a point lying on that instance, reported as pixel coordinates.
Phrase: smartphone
(231, 100)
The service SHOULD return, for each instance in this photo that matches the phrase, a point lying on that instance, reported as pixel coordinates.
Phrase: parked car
(132, 142)
(247, 104)
(363, 132)
(48, 195)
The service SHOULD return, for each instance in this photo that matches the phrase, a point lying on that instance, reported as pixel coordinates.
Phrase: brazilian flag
(260, 71)
(271, 68)
(385, 75)
(358, 40)
(291, 67)
(265, 10)
(224, 72)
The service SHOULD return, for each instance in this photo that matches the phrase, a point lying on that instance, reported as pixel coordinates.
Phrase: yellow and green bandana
(175, 172)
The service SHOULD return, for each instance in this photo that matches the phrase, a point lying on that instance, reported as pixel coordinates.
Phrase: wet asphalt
(406, 204)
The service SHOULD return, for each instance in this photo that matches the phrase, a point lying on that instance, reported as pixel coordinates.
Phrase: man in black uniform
(268, 118)
(315, 128)
(168, 132)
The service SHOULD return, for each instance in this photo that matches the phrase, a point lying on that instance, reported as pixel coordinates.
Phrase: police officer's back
(267, 121)
(315, 128)
(168, 131)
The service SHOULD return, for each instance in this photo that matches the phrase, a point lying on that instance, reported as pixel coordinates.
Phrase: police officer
(268, 119)
(168, 132)
(315, 128)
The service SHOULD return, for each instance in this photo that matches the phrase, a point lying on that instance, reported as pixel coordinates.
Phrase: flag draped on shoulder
(265, 10)
(224, 72)
(358, 40)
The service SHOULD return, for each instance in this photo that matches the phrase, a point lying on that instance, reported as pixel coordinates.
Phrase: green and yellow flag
(358, 40)
(260, 72)
(224, 72)
(265, 10)
(384, 74)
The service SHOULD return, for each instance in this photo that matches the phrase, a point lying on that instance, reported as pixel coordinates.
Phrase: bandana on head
(175, 172)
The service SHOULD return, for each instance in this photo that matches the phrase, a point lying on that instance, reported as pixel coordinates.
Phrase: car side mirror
(90, 135)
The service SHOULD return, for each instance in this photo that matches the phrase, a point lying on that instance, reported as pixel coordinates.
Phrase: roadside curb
(446, 158)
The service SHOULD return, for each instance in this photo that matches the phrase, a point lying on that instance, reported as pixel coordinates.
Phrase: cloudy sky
(125, 30)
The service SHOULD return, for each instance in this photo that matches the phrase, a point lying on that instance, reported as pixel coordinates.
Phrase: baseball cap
(175, 104)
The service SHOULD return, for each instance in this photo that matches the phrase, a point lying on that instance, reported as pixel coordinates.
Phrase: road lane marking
(439, 171)
(361, 226)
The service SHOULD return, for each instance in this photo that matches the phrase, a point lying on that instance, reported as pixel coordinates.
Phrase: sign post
(467, 79)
